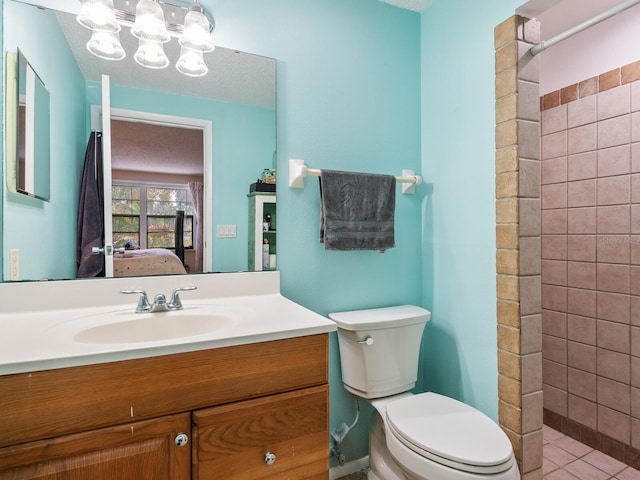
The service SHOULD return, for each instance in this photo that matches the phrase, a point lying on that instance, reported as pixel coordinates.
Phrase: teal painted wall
(366, 86)
(458, 152)
(244, 140)
(32, 221)
(348, 98)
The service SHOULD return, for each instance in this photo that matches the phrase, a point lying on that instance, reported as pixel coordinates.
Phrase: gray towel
(357, 210)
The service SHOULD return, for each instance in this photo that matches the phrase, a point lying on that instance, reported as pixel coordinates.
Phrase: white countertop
(34, 338)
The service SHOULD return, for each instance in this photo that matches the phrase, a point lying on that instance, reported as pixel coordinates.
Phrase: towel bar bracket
(298, 171)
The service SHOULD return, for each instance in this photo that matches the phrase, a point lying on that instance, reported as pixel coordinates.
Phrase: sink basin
(152, 327)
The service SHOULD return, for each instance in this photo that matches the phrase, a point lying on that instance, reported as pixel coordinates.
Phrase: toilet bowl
(417, 437)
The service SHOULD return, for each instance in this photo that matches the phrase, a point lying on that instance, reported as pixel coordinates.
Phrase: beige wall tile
(507, 159)
(507, 262)
(507, 287)
(507, 185)
(507, 108)
(509, 390)
(530, 221)
(530, 256)
(506, 82)
(509, 338)
(531, 334)
(506, 56)
(529, 178)
(530, 295)
(507, 133)
(528, 139)
(532, 451)
(528, 101)
(505, 32)
(531, 372)
(508, 313)
(532, 412)
(510, 417)
(528, 30)
(507, 236)
(507, 210)
(509, 364)
(528, 65)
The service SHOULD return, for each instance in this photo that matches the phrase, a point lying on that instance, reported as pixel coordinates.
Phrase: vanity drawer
(50, 403)
(231, 441)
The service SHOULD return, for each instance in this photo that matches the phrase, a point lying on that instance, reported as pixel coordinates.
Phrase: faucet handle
(175, 303)
(143, 302)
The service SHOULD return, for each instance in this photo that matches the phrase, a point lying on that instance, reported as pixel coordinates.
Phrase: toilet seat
(449, 432)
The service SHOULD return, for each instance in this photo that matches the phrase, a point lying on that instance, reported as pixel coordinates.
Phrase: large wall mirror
(160, 120)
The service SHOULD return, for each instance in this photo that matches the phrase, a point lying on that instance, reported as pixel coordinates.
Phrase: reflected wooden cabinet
(120, 420)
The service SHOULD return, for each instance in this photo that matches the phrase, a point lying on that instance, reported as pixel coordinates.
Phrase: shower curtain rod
(536, 49)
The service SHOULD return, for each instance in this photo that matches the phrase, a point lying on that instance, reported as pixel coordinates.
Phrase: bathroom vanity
(246, 405)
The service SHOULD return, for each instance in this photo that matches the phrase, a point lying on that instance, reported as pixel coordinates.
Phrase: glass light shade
(150, 54)
(149, 24)
(196, 33)
(98, 15)
(106, 45)
(191, 63)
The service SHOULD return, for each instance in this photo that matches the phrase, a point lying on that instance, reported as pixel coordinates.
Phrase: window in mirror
(144, 216)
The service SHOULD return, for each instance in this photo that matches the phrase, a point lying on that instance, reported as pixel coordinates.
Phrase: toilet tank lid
(375, 318)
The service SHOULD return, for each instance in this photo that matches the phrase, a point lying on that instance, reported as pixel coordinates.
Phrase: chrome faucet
(159, 301)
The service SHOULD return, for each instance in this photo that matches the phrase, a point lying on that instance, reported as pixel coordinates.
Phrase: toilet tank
(379, 348)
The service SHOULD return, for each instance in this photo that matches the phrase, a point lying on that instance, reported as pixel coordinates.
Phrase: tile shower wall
(590, 178)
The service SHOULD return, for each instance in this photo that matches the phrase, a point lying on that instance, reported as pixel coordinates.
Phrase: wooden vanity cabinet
(275, 437)
(141, 450)
(120, 419)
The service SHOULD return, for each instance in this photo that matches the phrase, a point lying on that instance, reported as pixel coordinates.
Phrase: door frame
(206, 126)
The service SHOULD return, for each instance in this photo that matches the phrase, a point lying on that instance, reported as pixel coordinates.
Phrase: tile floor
(567, 459)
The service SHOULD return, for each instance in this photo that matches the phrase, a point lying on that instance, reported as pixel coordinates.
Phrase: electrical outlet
(14, 263)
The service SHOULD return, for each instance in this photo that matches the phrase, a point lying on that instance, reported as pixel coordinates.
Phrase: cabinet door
(142, 451)
(231, 441)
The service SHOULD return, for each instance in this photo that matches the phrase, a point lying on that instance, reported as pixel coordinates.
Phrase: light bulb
(150, 54)
(191, 63)
(106, 45)
(149, 24)
(196, 34)
(98, 15)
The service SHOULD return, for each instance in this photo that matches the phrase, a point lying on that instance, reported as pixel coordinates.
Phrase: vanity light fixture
(191, 25)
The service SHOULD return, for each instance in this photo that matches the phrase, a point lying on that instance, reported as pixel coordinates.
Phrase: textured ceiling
(234, 77)
(415, 5)
(144, 147)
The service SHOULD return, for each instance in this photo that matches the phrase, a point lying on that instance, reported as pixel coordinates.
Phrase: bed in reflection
(150, 261)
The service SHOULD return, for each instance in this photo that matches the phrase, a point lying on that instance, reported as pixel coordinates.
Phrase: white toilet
(417, 437)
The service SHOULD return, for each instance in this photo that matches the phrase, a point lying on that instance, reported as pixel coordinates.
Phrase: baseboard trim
(348, 468)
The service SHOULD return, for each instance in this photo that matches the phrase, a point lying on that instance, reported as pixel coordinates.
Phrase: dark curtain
(179, 235)
(90, 229)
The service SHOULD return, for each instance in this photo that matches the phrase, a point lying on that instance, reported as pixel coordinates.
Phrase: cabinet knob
(181, 440)
(269, 458)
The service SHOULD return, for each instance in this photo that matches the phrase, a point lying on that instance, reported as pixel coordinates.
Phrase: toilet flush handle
(367, 340)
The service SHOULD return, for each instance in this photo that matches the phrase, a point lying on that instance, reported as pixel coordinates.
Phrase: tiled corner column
(518, 243)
